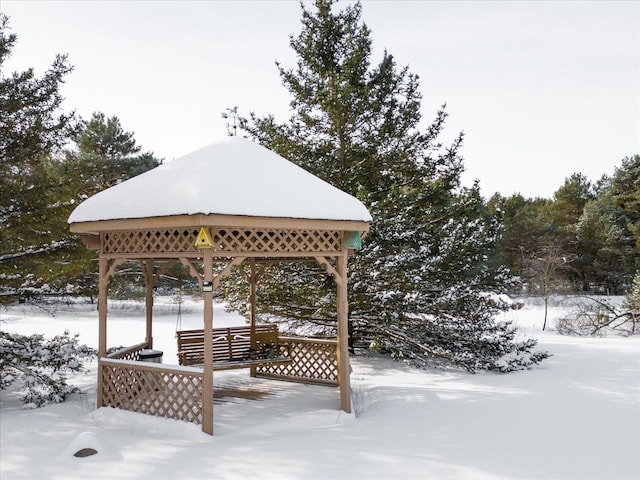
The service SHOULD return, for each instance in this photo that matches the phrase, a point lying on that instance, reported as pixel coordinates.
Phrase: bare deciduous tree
(543, 269)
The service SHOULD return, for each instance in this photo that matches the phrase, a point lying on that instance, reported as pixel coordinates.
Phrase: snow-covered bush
(466, 335)
(39, 366)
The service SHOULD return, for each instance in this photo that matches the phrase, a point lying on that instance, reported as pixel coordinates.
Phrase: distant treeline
(584, 239)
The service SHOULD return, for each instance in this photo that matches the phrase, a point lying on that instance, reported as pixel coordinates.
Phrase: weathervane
(238, 121)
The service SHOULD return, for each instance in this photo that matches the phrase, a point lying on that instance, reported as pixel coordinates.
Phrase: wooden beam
(91, 241)
(220, 255)
(226, 271)
(170, 263)
(192, 270)
(330, 269)
(112, 265)
(216, 220)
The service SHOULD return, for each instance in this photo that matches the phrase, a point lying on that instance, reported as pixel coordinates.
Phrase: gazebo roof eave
(216, 220)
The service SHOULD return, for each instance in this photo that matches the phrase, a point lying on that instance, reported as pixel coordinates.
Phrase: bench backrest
(231, 343)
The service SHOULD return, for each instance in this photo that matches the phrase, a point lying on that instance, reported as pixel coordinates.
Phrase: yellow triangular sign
(204, 239)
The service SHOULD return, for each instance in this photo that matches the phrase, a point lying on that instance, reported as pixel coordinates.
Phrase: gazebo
(232, 203)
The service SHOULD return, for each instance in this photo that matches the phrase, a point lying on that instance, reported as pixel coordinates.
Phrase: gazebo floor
(234, 389)
(244, 405)
(239, 386)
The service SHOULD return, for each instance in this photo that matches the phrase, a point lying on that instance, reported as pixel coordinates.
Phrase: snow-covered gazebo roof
(232, 177)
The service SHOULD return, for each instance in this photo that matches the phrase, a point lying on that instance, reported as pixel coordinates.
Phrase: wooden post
(150, 281)
(344, 369)
(103, 283)
(253, 294)
(252, 299)
(207, 376)
(106, 268)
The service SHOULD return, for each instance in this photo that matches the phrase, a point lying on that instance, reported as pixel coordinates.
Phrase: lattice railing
(226, 241)
(129, 353)
(152, 389)
(175, 240)
(312, 361)
(276, 241)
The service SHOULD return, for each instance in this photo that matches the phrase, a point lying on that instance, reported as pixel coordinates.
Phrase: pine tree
(417, 286)
(40, 365)
(525, 226)
(34, 239)
(625, 187)
(105, 155)
(32, 124)
(608, 231)
(40, 185)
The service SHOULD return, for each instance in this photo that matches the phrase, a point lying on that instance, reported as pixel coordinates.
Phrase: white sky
(541, 89)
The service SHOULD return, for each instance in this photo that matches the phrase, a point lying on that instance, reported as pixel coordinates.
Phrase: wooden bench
(233, 347)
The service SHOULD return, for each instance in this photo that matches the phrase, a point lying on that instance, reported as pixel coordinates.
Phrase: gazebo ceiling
(234, 178)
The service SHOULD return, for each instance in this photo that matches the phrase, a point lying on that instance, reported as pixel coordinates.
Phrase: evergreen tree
(599, 235)
(568, 203)
(40, 365)
(526, 225)
(34, 240)
(32, 126)
(39, 187)
(594, 228)
(564, 213)
(416, 287)
(625, 187)
(105, 138)
(105, 155)
(608, 231)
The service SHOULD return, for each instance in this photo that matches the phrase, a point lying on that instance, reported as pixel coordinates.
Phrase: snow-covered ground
(575, 416)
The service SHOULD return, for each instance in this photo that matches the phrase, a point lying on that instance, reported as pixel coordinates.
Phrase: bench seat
(233, 347)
